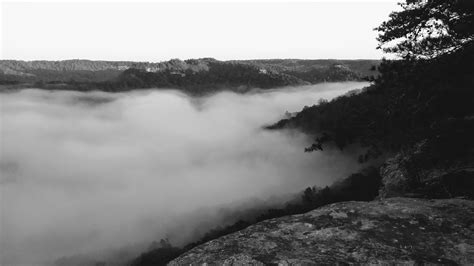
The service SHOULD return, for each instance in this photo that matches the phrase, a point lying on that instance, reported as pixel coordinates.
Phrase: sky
(156, 30)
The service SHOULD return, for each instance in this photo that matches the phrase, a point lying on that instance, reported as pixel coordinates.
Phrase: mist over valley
(86, 172)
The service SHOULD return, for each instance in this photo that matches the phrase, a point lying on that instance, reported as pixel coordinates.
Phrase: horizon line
(197, 58)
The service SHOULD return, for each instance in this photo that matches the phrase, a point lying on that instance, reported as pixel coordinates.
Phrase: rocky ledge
(394, 230)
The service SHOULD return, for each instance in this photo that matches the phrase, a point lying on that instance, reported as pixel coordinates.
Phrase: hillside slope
(396, 230)
(201, 75)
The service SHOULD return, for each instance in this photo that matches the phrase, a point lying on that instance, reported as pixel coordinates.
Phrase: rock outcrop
(428, 171)
(395, 230)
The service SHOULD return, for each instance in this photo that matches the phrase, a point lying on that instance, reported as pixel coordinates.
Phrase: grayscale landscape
(272, 133)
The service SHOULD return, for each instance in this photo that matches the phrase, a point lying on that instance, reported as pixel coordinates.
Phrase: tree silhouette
(428, 28)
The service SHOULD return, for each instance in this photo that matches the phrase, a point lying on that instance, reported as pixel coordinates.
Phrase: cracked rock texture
(394, 230)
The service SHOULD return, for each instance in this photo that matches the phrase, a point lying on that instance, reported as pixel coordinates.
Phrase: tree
(428, 28)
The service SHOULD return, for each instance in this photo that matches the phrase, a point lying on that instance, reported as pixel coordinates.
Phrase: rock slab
(394, 231)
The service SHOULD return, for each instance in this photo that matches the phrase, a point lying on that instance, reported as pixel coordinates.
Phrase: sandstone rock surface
(394, 230)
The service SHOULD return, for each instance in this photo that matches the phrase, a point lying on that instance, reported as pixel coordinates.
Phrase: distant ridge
(204, 74)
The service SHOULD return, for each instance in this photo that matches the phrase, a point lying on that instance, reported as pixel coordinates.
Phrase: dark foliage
(6, 80)
(159, 254)
(428, 28)
(441, 167)
(412, 100)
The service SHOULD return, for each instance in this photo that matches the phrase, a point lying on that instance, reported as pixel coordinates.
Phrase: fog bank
(82, 172)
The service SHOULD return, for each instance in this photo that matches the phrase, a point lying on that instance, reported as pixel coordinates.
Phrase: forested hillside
(421, 107)
(193, 75)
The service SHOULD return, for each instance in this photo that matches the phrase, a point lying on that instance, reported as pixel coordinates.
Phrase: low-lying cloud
(82, 172)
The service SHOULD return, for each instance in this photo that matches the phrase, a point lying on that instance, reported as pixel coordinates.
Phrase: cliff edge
(394, 230)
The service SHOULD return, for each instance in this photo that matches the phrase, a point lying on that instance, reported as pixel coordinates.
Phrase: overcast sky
(156, 31)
